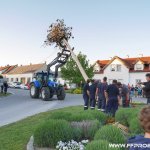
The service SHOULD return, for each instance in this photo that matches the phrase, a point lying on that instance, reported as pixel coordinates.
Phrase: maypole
(59, 35)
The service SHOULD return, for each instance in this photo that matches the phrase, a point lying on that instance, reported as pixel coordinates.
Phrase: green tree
(71, 72)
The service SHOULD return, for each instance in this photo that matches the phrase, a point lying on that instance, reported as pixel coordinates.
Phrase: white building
(126, 70)
(24, 74)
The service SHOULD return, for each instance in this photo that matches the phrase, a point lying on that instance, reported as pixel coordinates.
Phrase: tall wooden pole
(76, 60)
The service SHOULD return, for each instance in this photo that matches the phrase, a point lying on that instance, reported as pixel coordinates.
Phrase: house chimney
(30, 64)
(127, 56)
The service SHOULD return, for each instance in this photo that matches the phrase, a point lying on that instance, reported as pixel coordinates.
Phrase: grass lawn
(15, 136)
(3, 95)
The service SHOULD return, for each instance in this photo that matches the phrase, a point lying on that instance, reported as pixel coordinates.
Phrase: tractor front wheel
(34, 91)
(61, 94)
(45, 93)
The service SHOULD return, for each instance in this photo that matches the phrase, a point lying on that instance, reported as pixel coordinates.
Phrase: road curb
(30, 143)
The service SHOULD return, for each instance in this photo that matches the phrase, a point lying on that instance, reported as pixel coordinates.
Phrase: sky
(102, 28)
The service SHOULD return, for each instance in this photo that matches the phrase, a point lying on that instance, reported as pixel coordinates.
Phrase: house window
(17, 79)
(28, 80)
(23, 80)
(138, 81)
(96, 68)
(113, 67)
(139, 67)
(12, 79)
(119, 68)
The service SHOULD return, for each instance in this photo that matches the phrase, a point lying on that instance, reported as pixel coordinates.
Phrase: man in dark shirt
(112, 98)
(146, 88)
(86, 94)
(92, 94)
(100, 93)
(124, 93)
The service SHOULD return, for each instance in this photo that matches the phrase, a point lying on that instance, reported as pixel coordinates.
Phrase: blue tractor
(45, 84)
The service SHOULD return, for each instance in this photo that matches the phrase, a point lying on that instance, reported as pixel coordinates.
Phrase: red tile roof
(129, 62)
(7, 68)
(3, 68)
(26, 69)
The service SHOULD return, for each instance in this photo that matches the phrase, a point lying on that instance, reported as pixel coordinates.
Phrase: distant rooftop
(26, 68)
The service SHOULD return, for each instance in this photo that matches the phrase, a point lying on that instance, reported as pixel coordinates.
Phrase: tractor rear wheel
(61, 94)
(45, 93)
(34, 91)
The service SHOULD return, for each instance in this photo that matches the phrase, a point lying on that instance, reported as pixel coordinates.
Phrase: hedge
(111, 134)
(85, 129)
(125, 115)
(52, 131)
(81, 116)
(135, 127)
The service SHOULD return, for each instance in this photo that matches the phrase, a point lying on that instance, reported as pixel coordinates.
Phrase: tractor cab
(44, 85)
(44, 79)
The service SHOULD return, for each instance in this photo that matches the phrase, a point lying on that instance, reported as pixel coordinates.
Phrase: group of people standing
(136, 91)
(109, 97)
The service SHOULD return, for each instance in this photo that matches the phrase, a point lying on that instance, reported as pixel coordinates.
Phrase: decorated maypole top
(59, 35)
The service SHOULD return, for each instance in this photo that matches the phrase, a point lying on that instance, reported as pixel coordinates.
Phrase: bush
(111, 134)
(125, 115)
(100, 116)
(77, 134)
(52, 131)
(80, 116)
(69, 91)
(99, 145)
(61, 115)
(135, 127)
(85, 129)
(77, 91)
(72, 117)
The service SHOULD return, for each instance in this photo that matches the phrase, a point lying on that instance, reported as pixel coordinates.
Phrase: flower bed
(71, 145)
(75, 128)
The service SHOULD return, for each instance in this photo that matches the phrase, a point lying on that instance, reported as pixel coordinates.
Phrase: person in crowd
(144, 119)
(92, 92)
(100, 93)
(136, 91)
(146, 88)
(124, 94)
(5, 87)
(1, 83)
(139, 91)
(86, 94)
(112, 98)
(131, 92)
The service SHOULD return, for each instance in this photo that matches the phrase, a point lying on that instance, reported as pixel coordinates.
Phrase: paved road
(19, 105)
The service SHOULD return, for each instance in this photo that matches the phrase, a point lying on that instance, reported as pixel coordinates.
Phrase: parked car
(14, 84)
(10, 85)
(24, 86)
(17, 85)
